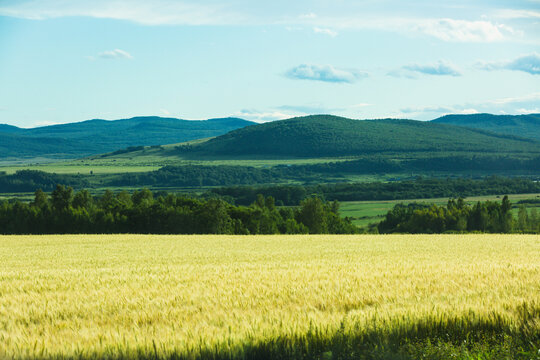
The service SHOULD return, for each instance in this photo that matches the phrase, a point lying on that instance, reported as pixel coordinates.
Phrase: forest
(66, 211)
(419, 188)
(457, 216)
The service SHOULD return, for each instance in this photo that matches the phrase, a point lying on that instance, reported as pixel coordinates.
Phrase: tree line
(66, 211)
(419, 188)
(457, 216)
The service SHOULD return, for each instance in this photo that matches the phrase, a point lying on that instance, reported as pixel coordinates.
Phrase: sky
(72, 60)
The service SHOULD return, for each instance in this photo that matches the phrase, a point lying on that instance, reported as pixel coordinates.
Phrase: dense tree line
(200, 175)
(420, 188)
(457, 216)
(31, 180)
(456, 163)
(66, 211)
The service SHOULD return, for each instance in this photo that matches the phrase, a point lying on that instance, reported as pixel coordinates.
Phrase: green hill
(332, 136)
(99, 136)
(520, 125)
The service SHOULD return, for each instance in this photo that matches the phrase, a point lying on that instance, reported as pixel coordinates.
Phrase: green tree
(142, 198)
(533, 221)
(523, 219)
(83, 199)
(312, 215)
(40, 199)
(62, 197)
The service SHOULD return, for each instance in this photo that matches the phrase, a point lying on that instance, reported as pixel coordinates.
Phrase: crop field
(305, 297)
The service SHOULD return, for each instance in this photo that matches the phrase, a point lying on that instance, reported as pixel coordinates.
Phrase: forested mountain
(329, 136)
(521, 125)
(99, 136)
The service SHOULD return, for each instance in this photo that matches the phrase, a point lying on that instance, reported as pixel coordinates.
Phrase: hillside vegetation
(327, 136)
(99, 136)
(520, 125)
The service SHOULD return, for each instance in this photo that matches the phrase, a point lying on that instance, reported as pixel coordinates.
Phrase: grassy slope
(330, 136)
(314, 297)
(519, 125)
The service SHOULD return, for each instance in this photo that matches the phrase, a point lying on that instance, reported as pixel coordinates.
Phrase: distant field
(81, 168)
(241, 297)
(119, 164)
(368, 212)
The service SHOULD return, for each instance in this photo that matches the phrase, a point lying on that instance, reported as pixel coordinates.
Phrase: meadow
(303, 297)
(364, 213)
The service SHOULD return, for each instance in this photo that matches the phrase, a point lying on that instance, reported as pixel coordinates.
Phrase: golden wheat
(78, 294)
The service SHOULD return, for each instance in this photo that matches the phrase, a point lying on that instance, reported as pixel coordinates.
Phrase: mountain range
(310, 136)
(100, 136)
(519, 125)
(333, 136)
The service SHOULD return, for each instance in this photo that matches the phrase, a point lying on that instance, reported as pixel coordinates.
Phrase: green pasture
(364, 213)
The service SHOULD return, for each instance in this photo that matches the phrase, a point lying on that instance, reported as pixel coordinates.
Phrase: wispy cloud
(517, 14)
(528, 111)
(533, 97)
(262, 116)
(329, 32)
(308, 16)
(524, 104)
(45, 123)
(144, 12)
(440, 68)
(527, 63)
(464, 30)
(325, 73)
(115, 54)
(348, 16)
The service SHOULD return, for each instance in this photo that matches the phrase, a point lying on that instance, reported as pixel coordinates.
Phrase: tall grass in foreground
(227, 297)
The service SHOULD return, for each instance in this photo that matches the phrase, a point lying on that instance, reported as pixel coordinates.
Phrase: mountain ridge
(526, 125)
(98, 136)
(328, 135)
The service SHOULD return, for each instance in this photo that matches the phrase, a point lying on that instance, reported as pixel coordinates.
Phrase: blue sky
(71, 60)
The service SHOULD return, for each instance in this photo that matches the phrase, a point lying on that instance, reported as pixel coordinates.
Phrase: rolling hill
(520, 125)
(99, 136)
(332, 136)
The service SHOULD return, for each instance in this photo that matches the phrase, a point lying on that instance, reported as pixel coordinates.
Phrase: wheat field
(140, 296)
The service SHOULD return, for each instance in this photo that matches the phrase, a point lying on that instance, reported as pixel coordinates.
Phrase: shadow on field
(472, 336)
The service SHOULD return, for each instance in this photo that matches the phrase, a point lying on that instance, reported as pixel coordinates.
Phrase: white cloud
(524, 104)
(262, 116)
(517, 99)
(359, 105)
(154, 12)
(325, 31)
(467, 111)
(165, 112)
(45, 123)
(439, 68)
(527, 63)
(528, 111)
(115, 54)
(517, 14)
(325, 73)
(308, 16)
(243, 12)
(464, 30)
